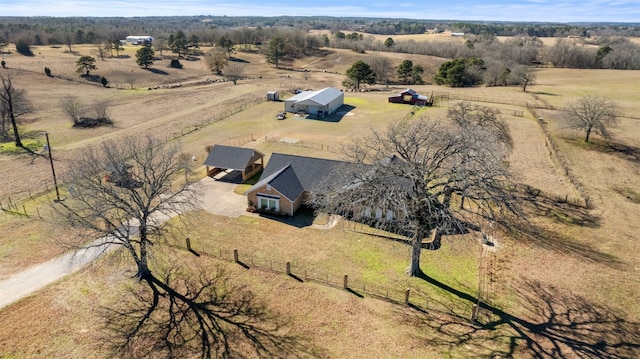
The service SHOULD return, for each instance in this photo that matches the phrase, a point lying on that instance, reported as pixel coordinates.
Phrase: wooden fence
(398, 293)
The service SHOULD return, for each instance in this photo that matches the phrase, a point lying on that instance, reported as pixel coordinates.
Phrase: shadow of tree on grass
(157, 71)
(197, 313)
(551, 325)
(562, 211)
(537, 236)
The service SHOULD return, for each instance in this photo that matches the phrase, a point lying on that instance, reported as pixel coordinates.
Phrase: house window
(269, 203)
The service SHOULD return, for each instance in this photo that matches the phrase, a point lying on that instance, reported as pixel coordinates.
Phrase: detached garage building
(317, 103)
(247, 161)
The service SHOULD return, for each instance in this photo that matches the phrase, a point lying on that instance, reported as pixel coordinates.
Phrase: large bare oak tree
(422, 178)
(124, 192)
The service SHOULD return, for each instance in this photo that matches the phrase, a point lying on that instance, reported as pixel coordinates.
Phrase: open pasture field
(572, 287)
(328, 321)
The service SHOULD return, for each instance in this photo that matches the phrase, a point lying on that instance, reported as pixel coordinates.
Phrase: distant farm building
(318, 103)
(411, 97)
(138, 40)
(272, 96)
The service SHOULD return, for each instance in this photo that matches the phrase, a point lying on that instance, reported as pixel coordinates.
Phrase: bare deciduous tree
(96, 115)
(593, 114)
(160, 45)
(234, 72)
(382, 67)
(73, 108)
(525, 76)
(13, 104)
(470, 116)
(408, 178)
(175, 311)
(216, 60)
(102, 49)
(101, 110)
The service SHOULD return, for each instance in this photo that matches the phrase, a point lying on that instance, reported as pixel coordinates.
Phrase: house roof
(291, 175)
(284, 181)
(229, 157)
(322, 97)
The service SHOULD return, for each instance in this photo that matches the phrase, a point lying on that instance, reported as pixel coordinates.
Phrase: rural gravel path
(218, 198)
(25, 283)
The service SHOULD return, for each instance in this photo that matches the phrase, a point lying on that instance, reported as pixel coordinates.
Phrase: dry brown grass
(596, 261)
(332, 320)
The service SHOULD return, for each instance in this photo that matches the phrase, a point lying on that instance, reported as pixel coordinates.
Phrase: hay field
(585, 262)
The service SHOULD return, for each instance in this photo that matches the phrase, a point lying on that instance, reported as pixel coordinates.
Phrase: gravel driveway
(218, 198)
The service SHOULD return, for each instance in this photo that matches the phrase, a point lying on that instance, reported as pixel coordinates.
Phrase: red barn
(411, 97)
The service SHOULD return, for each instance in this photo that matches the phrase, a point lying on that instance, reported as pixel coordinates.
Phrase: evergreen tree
(85, 64)
(276, 51)
(360, 73)
(404, 70)
(145, 56)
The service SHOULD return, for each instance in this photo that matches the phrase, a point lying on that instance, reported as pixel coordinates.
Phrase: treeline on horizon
(10, 25)
(577, 46)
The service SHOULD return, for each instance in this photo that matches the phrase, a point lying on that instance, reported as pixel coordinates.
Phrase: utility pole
(53, 171)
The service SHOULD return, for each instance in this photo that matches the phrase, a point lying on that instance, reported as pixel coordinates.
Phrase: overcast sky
(490, 10)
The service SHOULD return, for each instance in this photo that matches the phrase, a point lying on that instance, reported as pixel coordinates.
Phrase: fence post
(188, 240)
(288, 268)
(235, 255)
(345, 282)
(406, 296)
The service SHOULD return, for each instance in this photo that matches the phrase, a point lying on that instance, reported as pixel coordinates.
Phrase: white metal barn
(138, 40)
(317, 103)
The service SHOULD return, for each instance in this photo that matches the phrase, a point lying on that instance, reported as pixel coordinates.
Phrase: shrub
(4, 64)
(23, 48)
(104, 81)
(47, 71)
(175, 64)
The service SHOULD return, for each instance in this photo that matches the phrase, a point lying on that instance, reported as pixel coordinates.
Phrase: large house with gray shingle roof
(286, 182)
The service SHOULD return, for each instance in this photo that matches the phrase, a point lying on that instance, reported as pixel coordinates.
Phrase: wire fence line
(237, 106)
(234, 108)
(446, 96)
(560, 158)
(308, 144)
(395, 292)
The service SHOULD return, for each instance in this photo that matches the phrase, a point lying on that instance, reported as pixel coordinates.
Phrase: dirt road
(37, 277)
(218, 198)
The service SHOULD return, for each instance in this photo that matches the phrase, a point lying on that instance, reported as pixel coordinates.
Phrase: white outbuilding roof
(321, 97)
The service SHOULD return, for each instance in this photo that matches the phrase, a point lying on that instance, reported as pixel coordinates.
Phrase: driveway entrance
(219, 198)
